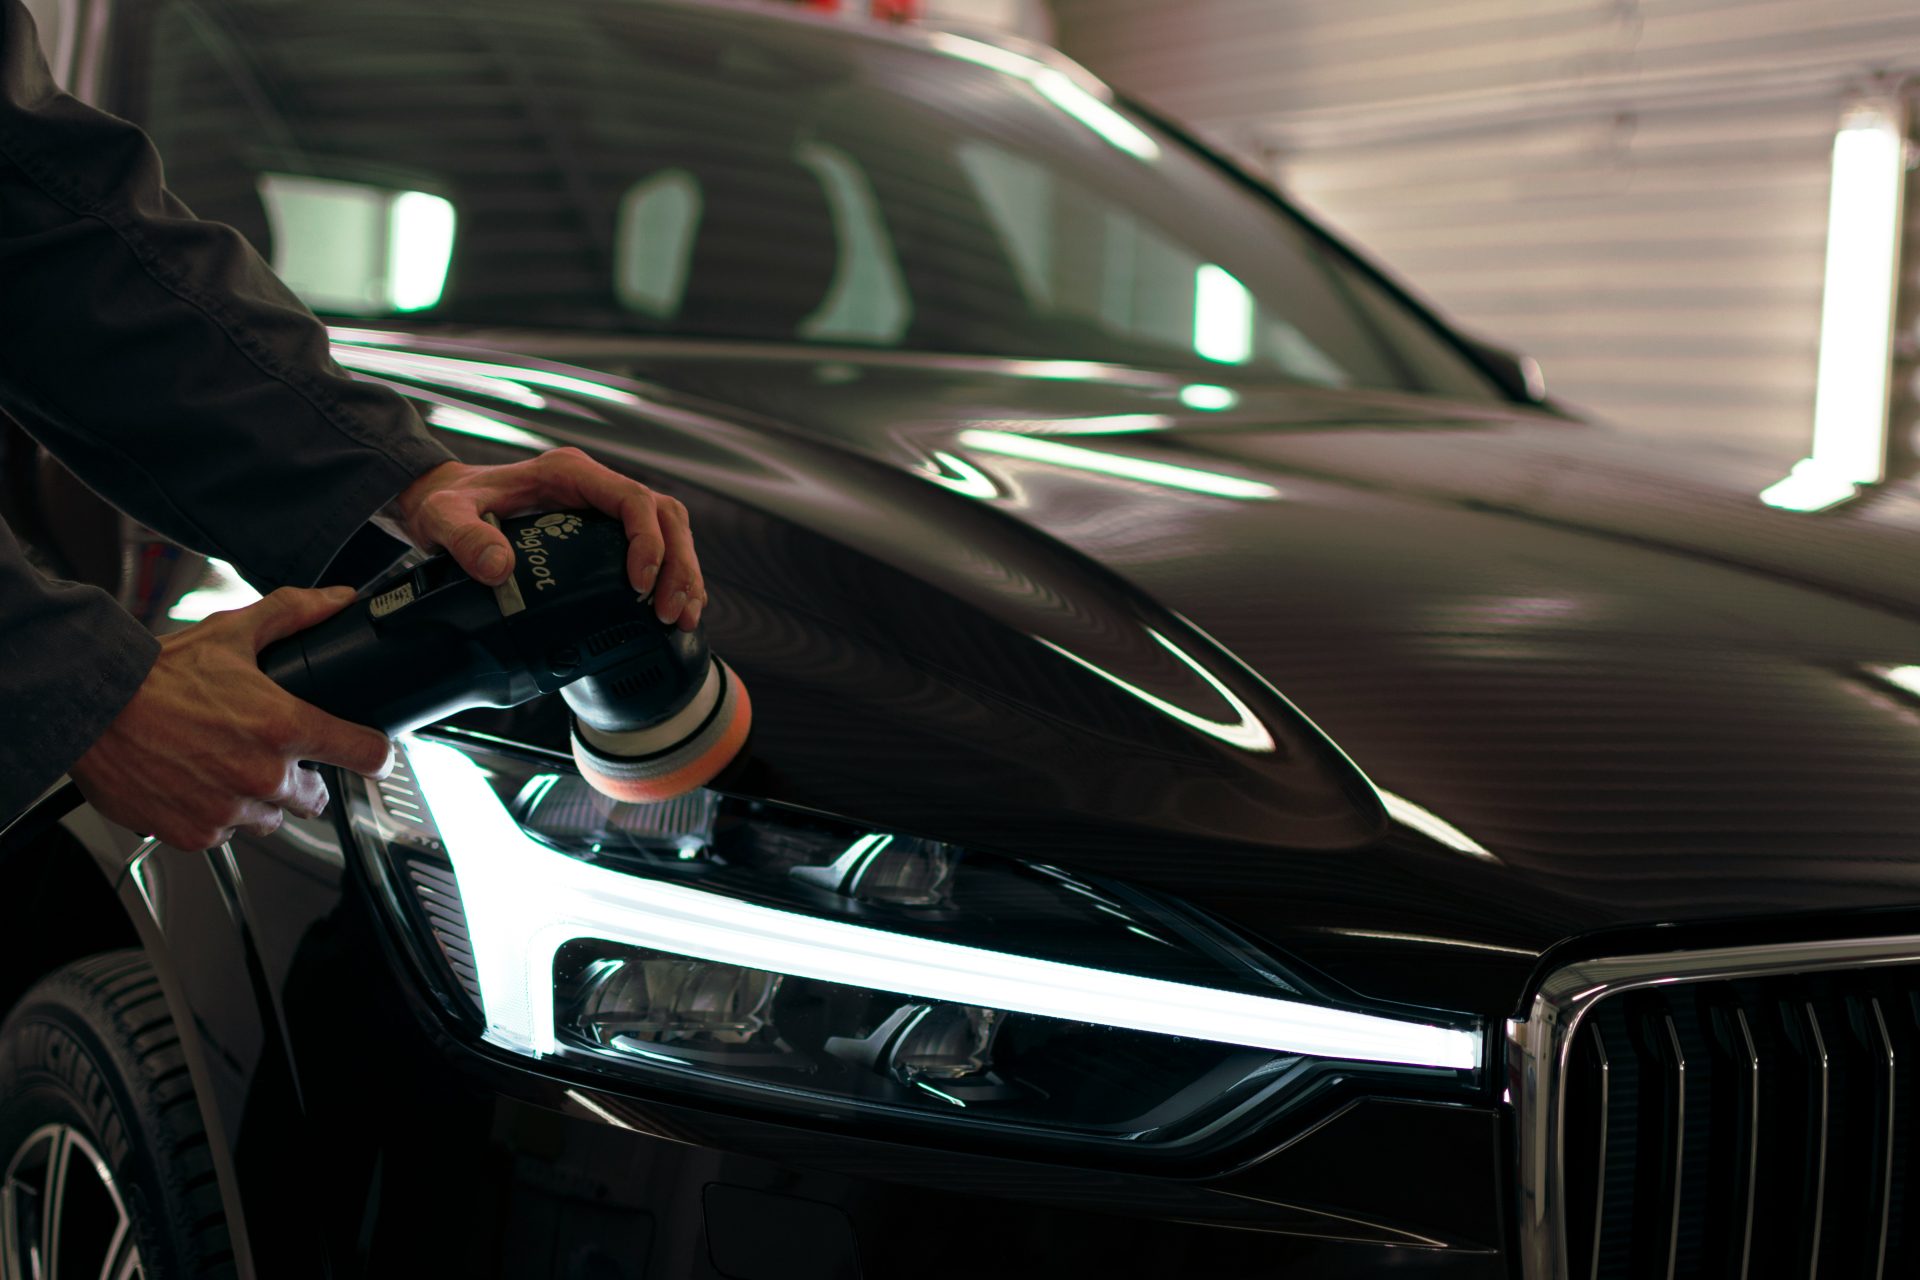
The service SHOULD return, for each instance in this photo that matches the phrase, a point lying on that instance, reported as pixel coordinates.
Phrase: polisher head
(686, 750)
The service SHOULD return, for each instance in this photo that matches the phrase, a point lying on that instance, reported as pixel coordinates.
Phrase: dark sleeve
(70, 658)
(162, 361)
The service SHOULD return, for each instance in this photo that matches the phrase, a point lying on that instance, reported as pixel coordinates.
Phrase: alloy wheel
(61, 1216)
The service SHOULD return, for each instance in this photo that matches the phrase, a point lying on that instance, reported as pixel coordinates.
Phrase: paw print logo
(559, 525)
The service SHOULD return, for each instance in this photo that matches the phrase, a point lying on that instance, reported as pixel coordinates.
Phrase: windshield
(717, 172)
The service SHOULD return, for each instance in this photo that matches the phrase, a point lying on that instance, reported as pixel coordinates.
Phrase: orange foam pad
(689, 776)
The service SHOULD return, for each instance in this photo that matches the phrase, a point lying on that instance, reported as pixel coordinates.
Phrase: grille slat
(1751, 1137)
(1679, 1144)
(1821, 1065)
(1600, 1169)
(1890, 1109)
(1746, 1128)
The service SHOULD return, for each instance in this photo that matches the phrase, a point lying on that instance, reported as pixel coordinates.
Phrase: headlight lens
(738, 948)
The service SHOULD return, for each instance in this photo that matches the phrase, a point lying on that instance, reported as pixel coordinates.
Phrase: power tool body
(655, 714)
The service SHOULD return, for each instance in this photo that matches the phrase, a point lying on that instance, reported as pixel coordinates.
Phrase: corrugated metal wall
(1634, 191)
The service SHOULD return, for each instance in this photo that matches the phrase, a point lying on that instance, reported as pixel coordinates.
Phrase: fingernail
(340, 595)
(691, 618)
(673, 607)
(648, 576)
(495, 563)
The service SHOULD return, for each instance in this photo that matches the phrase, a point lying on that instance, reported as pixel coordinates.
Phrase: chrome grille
(1737, 1113)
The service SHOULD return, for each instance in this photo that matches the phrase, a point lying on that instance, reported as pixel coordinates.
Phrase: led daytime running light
(524, 901)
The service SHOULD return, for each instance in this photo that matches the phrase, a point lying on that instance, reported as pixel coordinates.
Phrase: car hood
(1045, 607)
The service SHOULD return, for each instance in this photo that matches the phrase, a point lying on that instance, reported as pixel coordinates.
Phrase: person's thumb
(476, 545)
(291, 609)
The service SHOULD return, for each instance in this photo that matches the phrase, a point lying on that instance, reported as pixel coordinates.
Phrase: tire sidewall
(55, 1069)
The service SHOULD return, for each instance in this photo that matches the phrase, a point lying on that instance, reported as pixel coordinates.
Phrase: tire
(92, 1075)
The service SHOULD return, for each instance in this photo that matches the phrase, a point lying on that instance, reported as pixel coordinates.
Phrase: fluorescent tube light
(1856, 313)
(524, 901)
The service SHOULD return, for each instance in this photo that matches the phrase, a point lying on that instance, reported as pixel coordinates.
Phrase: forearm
(162, 360)
(70, 659)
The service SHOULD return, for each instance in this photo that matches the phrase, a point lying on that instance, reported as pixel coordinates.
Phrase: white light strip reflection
(419, 249)
(432, 369)
(1117, 131)
(371, 337)
(1164, 474)
(1245, 732)
(1906, 679)
(1431, 824)
(1856, 313)
(1808, 487)
(1222, 316)
(598, 1110)
(1109, 424)
(448, 368)
(468, 423)
(966, 477)
(1057, 87)
(226, 590)
(524, 901)
(1208, 398)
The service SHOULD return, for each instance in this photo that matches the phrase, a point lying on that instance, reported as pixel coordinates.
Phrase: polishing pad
(669, 759)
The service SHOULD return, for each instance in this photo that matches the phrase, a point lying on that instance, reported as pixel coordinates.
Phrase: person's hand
(209, 746)
(445, 508)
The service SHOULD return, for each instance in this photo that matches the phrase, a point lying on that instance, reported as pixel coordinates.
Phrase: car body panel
(1638, 711)
(355, 1131)
(1612, 709)
(1605, 716)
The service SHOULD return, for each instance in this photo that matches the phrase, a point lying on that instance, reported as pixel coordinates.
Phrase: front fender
(189, 913)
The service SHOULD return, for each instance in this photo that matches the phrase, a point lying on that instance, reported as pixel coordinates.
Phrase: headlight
(767, 954)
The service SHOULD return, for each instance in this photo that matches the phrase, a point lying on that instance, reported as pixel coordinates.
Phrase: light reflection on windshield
(738, 175)
(1057, 87)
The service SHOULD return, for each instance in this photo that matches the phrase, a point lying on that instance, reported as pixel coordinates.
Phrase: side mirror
(1519, 375)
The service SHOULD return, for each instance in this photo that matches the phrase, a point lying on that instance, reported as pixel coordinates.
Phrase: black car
(1241, 785)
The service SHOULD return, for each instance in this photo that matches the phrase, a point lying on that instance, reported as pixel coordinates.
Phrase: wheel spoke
(23, 1204)
(54, 1204)
(120, 1252)
(9, 1232)
(42, 1204)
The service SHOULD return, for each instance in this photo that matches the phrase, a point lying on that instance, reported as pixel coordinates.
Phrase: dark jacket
(162, 362)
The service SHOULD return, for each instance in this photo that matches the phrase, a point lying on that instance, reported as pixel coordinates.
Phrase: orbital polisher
(655, 713)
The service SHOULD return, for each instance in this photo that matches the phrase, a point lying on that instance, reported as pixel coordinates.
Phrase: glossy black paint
(1653, 714)
(366, 1138)
(1649, 700)
(1648, 703)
